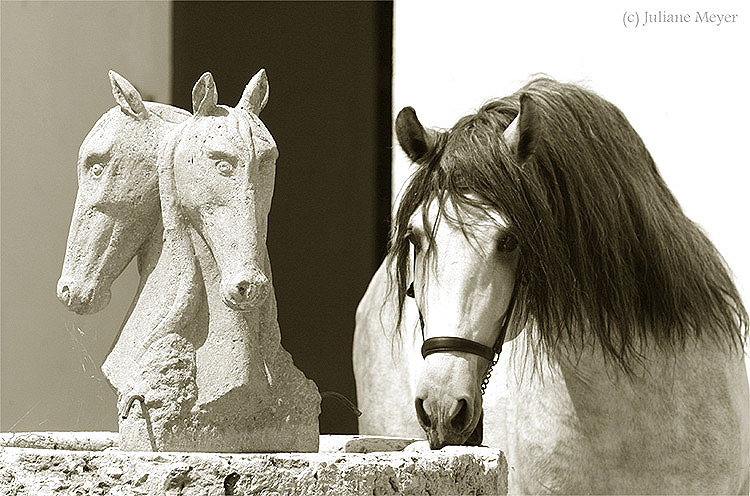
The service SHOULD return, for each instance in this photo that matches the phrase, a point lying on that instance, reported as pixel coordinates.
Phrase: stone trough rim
(453, 469)
(108, 440)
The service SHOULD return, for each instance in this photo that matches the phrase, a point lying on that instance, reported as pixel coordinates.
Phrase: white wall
(55, 58)
(684, 87)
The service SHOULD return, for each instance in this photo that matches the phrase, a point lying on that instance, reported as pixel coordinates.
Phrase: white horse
(544, 215)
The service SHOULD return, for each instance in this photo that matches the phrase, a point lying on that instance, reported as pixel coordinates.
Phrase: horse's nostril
(460, 419)
(424, 419)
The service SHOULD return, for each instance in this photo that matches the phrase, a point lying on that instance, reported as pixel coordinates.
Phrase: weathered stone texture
(452, 470)
(87, 441)
(198, 364)
(363, 444)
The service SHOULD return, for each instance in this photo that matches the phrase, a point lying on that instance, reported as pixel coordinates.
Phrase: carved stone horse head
(117, 206)
(216, 174)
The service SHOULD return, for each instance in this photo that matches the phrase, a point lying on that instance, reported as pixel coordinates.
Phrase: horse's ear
(205, 95)
(255, 96)
(522, 134)
(127, 97)
(414, 139)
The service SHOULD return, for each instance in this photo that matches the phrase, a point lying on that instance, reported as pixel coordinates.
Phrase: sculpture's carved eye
(225, 162)
(97, 170)
(225, 167)
(96, 162)
(507, 243)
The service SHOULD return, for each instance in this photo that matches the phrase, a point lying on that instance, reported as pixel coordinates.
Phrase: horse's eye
(507, 243)
(97, 170)
(412, 238)
(225, 167)
(410, 291)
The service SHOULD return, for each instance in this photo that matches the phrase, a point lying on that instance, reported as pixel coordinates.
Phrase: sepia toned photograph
(374, 247)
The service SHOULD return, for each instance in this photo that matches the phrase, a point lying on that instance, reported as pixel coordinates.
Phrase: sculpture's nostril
(422, 416)
(64, 294)
(247, 291)
(242, 288)
(460, 418)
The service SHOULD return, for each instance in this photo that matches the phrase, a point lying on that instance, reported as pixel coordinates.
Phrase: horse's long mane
(606, 250)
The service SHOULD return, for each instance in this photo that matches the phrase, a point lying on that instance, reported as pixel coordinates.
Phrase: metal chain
(486, 379)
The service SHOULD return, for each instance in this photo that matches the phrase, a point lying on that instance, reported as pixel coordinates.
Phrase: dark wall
(329, 70)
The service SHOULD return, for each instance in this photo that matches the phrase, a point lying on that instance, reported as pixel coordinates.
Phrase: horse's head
(462, 256)
(117, 205)
(549, 195)
(217, 173)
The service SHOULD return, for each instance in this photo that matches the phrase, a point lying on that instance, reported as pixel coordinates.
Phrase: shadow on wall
(329, 70)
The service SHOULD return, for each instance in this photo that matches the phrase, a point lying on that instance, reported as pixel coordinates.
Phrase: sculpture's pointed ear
(127, 97)
(255, 96)
(416, 141)
(205, 95)
(522, 134)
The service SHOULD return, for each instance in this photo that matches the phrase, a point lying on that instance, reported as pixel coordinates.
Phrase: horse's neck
(654, 364)
(148, 253)
(168, 280)
(587, 365)
(172, 299)
(147, 256)
(141, 318)
(663, 389)
(582, 411)
(238, 348)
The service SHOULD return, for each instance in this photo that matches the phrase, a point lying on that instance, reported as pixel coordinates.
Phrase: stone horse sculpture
(117, 212)
(542, 222)
(200, 349)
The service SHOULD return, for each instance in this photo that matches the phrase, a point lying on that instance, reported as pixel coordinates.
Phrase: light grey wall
(55, 58)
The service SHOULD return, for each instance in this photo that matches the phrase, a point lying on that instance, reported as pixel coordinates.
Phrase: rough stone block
(452, 470)
(87, 441)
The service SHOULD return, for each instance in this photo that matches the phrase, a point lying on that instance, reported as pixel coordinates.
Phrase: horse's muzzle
(449, 425)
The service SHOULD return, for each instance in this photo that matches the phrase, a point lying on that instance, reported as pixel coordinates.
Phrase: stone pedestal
(411, 470)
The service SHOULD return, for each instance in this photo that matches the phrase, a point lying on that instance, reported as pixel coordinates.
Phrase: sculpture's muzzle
(245, 290)
(79, 298)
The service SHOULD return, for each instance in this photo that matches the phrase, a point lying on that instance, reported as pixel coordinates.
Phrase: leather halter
(446, 344)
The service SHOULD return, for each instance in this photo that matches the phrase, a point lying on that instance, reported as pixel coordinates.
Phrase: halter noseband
(445, 344)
